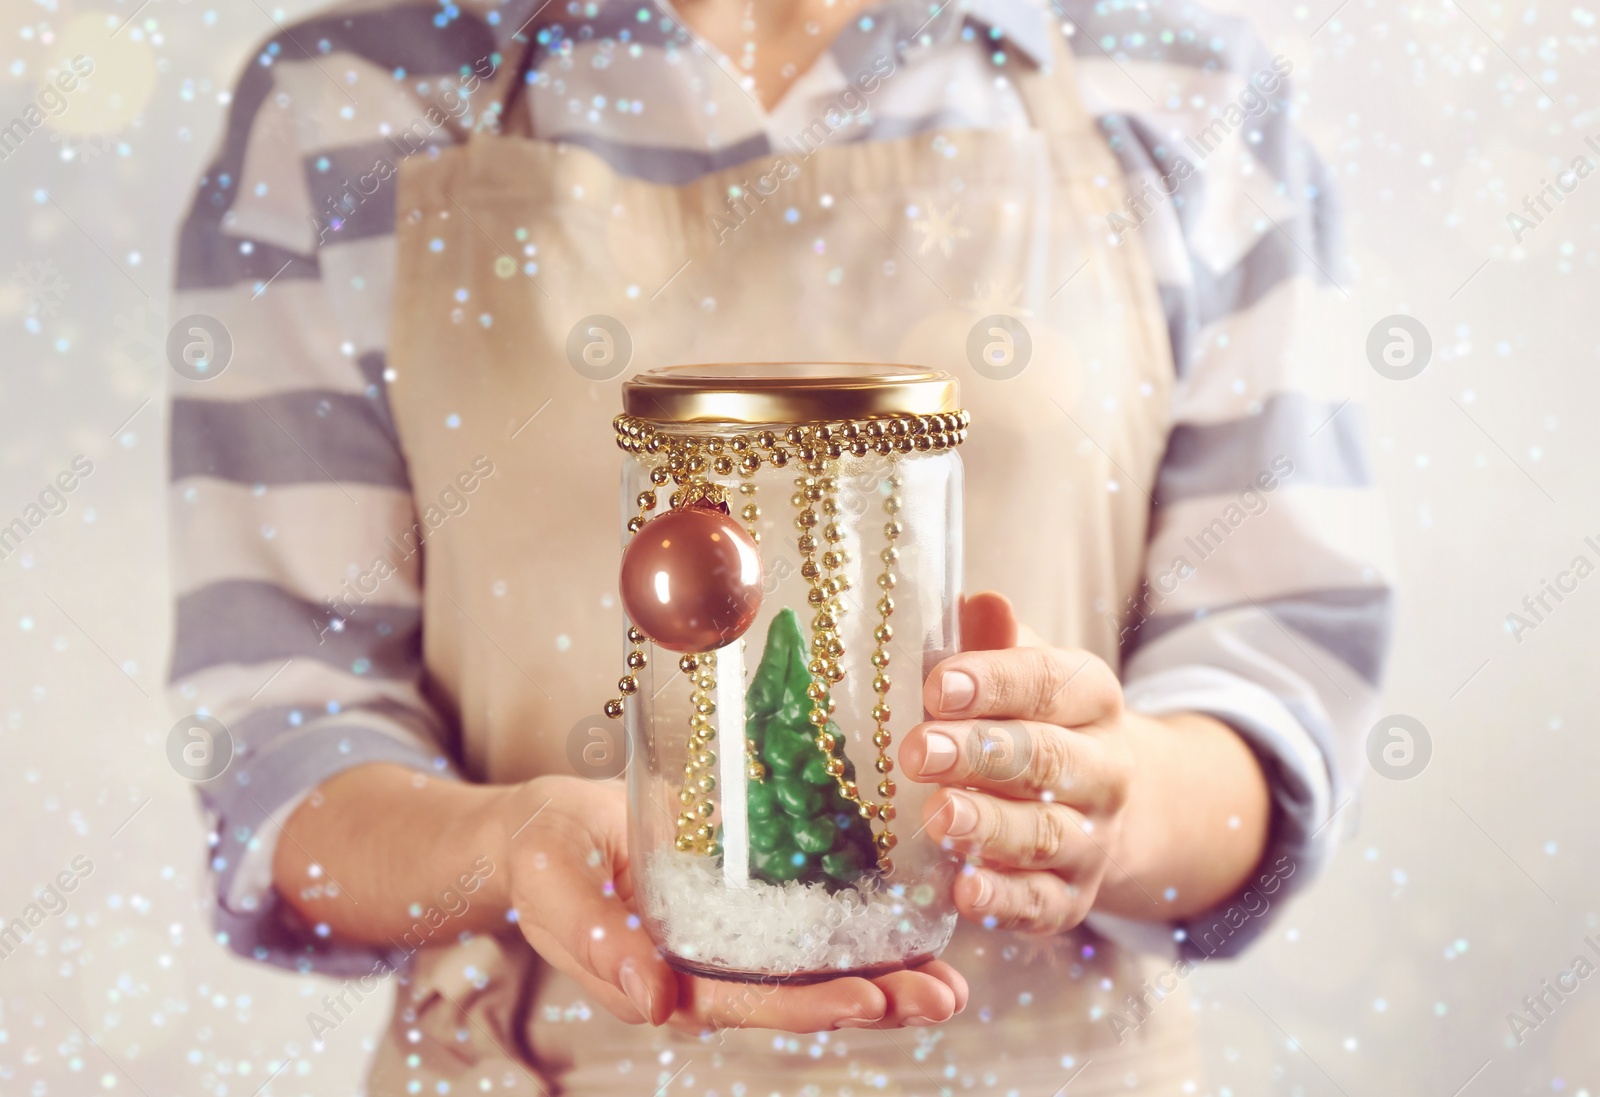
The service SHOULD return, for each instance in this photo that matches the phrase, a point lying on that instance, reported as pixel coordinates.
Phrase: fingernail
(939, 753)
(918, 1022)
(633, 985)
(957, 689)
(985, 890)
(859, 1018)
(963, 816)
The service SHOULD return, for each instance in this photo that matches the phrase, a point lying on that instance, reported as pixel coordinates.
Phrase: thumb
(988, 622)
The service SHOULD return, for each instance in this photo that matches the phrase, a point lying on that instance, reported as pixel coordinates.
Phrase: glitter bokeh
(1457, 893)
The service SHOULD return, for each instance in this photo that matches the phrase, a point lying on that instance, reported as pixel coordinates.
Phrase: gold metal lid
(756, 393)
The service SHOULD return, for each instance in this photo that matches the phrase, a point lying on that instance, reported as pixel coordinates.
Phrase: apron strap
(1051, 94)
(495, 111)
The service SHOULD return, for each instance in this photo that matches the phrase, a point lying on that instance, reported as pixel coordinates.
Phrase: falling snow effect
(1461, 139)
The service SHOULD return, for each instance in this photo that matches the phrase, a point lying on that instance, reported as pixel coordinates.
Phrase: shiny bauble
(691, 579)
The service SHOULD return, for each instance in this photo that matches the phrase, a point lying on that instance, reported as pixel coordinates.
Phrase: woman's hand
(565, 845)
(1065, 801)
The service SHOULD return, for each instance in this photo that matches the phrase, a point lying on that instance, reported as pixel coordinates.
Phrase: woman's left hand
(1026, 742)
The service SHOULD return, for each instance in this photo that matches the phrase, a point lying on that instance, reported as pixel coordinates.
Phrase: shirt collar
(1025, 24)
(895, 26)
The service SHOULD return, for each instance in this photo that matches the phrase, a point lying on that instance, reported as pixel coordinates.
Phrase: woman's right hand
(565, 843)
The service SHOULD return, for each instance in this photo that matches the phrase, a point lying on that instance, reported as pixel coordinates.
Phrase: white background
(1456, 892)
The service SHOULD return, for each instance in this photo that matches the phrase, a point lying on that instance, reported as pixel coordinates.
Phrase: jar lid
(755, 393)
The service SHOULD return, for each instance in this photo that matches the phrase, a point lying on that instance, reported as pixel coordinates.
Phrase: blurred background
(1467, 879)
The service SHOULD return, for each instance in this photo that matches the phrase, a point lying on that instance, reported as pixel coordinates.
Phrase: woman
(393, 520)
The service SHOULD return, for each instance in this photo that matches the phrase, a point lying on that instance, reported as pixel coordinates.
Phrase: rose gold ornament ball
(691, 579)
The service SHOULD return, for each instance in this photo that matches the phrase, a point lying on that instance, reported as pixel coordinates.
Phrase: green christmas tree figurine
(801, 826)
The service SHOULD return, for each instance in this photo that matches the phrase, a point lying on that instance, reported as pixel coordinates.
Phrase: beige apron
(898, 249)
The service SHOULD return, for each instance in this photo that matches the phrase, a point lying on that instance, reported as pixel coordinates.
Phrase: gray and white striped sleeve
(296, 549)
(1266, 601)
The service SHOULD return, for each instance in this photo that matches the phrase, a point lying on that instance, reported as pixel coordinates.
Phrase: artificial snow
(791, 928)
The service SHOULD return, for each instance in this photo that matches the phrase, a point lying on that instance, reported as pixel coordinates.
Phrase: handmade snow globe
(791, 564)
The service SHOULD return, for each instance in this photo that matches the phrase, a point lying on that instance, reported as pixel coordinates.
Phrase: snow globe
(790, 571)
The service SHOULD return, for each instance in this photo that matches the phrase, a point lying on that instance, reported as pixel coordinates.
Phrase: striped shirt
(290, 244)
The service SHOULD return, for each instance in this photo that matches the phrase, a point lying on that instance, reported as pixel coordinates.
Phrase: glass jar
(775, 664)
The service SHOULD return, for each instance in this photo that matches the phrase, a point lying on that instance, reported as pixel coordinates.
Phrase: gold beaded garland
(685, 458)
(883, 634)
(636, 658)
(818, 489)
(694, 833)
(687, 450)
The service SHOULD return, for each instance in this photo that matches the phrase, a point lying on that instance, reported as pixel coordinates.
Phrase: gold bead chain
(688, 457)
(628, 684)
(687, 460)
(691, 455)
(823, 596)
(883, 635)
(750, 512)
(695, 832)
(819, 489)
(754, 768)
